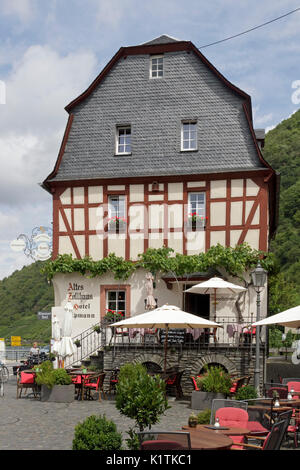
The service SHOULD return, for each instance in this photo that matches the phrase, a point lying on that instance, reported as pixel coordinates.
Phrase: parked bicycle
(4, 374)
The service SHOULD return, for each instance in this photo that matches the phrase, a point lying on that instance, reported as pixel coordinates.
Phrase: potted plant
(117, 224)
(196, 221)
(112, 316)
(97, 329)
(55, 384)
(140, 397)
(214, 383)
(193, 421)
(77, 343)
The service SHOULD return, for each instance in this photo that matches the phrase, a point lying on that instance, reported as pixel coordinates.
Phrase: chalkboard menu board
(174, 336)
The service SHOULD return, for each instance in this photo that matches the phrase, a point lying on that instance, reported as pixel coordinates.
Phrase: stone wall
(239, 361)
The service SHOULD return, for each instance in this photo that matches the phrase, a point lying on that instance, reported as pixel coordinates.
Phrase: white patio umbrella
(150, 301)
(214, 285)
(290, 318)
(66, 346)
(167, 316)
(55, 335)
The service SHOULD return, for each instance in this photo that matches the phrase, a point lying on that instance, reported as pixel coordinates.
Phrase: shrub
(246, 393)
(48, 376)
(204, 416)
(140, 397)
(97, 433)
(215, 380)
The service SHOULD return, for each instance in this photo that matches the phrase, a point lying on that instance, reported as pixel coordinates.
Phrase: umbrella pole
(166, 348)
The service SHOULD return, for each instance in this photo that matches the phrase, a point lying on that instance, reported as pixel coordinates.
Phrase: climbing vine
(235, 261)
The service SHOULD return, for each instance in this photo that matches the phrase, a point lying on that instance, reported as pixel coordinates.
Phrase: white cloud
(24, 9)
(33, 119)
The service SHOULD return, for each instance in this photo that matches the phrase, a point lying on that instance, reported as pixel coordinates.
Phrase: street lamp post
(259, 277)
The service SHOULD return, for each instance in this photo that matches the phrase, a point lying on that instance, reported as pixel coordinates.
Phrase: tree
(140, 397)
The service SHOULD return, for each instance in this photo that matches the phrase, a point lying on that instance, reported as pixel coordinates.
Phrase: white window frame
(151, 66)
(193, 149)
(117, 310)
(119, 213)
(201, 212)
(118, 129)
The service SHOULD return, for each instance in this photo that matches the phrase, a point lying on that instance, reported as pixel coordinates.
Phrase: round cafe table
(207, 439)
(229, 431)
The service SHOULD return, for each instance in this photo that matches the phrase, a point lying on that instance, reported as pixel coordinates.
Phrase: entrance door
(197, 304)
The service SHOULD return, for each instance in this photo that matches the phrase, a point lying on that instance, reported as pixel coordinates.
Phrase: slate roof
(155, 109)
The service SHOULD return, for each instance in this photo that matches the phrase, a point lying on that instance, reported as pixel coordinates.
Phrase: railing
(233, 334)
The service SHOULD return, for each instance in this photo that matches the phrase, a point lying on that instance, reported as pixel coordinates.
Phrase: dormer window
(123, 140)
(156, 66)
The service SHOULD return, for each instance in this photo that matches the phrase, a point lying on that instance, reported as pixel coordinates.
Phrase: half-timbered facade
(160, 150)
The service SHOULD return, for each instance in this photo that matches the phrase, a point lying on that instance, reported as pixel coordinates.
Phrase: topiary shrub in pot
(246, 393)
(140, 397)
(97, 433)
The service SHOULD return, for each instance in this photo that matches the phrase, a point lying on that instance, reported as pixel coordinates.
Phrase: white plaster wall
(87, 312)
(217, 189)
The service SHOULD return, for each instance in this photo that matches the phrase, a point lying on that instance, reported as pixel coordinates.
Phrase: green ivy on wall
(235, 261)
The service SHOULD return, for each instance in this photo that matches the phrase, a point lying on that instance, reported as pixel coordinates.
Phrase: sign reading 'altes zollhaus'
(82, 306)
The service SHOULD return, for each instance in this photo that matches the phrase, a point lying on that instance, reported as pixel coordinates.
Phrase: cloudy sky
(50, 51)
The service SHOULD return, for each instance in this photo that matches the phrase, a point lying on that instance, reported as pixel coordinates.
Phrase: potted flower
(196, 221)
(214, 383)
(97, 329)
(117, 224)
(193, 421)
(55, 384)
(112, 316)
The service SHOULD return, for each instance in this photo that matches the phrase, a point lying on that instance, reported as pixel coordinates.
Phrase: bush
(246, 393)
(48, 376)
(97, 433)
(215, 380)
(204, 416)
(140, 397)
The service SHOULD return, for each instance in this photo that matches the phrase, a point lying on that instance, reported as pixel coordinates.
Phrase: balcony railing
(232, 334)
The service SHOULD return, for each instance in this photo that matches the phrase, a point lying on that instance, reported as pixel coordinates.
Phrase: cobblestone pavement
(29, 424)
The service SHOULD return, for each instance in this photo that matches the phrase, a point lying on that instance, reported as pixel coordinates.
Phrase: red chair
(26, 380)
(236, 417)
(95, 384)
(194, 382)
(295, 426)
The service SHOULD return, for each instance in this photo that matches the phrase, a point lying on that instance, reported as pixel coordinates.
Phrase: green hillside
(22, 295)
(282, 151)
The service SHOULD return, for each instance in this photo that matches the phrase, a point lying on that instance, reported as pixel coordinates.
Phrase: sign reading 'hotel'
(76, 292)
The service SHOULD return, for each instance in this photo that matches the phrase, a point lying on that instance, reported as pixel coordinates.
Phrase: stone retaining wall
(237, 361)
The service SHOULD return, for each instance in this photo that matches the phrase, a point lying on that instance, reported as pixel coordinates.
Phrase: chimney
(260, 137)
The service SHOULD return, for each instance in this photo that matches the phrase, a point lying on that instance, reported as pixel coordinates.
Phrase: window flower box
(196, 222)
(117, 225)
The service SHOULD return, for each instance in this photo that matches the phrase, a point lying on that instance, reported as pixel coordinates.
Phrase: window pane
(111, 295)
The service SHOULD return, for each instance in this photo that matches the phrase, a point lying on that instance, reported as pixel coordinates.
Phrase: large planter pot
(202, 400)
(58, 393)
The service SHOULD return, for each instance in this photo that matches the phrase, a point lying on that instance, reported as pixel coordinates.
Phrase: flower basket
(113, 317)
(117, 225)
(196, 222)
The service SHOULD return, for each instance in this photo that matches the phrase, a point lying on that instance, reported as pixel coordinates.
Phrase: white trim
(160, 56)
(118, 128)
(191, 121)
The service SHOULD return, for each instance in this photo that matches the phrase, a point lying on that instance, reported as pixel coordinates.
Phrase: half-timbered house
(159, 150)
